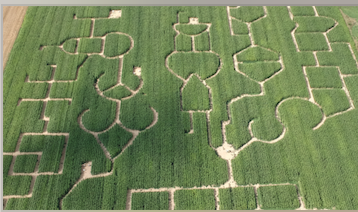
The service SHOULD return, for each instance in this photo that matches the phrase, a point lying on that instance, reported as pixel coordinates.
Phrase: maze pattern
(304, 68)
(86, 171)
(193, 21)
(226, 151)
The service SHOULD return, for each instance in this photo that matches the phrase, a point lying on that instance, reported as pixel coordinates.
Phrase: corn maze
(157, 108)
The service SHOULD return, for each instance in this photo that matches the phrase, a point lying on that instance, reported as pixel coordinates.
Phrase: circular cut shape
(116, 45)
(226, 151)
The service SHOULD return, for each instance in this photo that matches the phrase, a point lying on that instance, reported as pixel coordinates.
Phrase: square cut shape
(311, 42)
(51, 156)
(324, 77)
(278, 197)
(193, 20)
(196, 199)
(115, 14)
(240, 198)
(25, 163)
(150, 201)
(90, 45)
(332, 101)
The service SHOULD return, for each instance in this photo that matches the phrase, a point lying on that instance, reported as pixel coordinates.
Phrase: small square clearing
(115, 14)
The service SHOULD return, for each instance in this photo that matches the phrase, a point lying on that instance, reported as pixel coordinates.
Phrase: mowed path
(12, 20)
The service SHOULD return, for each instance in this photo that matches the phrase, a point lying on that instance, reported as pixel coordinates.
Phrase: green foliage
(205, 64)
(62, 89)
(191, 29)
(186, 121)
(302, 10)
(278, 197)
(115, 139)
(313, 24)
(34, 143)
(150, 201)
(14, 185)
(202, 42)
(260, 70)
(26, 119)
(239, 28)
(338, 34)
(31, 122)
(311, 42)
(351, 11)
(70, 45)
(58, 112)
(195, 96)
(80, 198)
(355, 31)
(100, 109)
(246, 110)
(256, 54)
(335, 13)
(25, 163)
(34, 90)
(110, 77)
(196, 199)
(6, 164)
(17, 203)
(118, 92)
(183, 43)
(332, 101)
(136, 113)
(90, 45)
(93, 12)
(164, 156)
(352, 87)
(341, 56)
(116, 44)
(324, 77)
(308, 113)
(50, 159)
(247, 13)
(40, 69)
(241, 198)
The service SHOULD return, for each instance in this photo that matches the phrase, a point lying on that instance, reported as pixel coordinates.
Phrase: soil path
(12, 20)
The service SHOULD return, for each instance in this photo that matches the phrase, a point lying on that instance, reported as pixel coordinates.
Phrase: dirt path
(12, 20)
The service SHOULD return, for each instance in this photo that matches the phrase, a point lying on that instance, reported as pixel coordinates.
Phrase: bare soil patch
(12, 20)
(115, 14)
